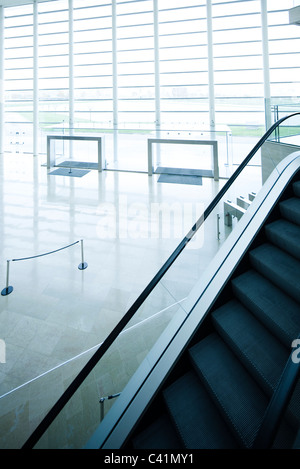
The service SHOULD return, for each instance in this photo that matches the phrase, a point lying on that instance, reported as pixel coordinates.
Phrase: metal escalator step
(261, 353)
(296, 444)
(296, 188)
(268, 303)
(293, 410)
(240, 400)
(161, 434)
(196, 417)
(285, 436)
(285, 235)
(290, 209)
(279, 267)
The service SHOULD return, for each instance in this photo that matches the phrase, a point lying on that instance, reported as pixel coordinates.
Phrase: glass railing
(76, 414)
(24, 405)
(289, 132)
(126, 148)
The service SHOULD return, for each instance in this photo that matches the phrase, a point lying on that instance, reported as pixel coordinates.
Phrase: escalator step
(279, 267)
(296, 444)
(293, 410)
(290, 209)
(240, 400)
(296, 188)
(196, 417)
(159, 435)
(267, 303)
(285, 235)
(262, 354)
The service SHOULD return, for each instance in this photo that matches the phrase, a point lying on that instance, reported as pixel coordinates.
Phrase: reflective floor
(124, 225)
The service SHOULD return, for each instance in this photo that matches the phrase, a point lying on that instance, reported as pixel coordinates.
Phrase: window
(18, 66)
(93, 64)
(238, 64)
(183, 63)
(135, 55)
(53, 64)
(284, 51)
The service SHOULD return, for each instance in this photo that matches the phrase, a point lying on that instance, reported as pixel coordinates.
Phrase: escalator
(221, 371)
(229, 375)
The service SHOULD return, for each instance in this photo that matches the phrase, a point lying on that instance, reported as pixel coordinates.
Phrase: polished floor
(124, 225)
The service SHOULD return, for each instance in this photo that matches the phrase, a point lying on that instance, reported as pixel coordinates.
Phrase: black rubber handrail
(94, 360)
(278, 404)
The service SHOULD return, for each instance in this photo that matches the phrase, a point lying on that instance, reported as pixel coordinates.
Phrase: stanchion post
(101, 402)
(83, 265)
(101, 408)
(8, 289)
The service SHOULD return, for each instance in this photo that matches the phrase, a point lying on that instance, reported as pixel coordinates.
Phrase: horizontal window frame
(76, 31)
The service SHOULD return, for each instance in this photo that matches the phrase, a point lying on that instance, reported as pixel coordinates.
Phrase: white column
(1, 80)
(157, 80)
(211, 79)
(157, 62)
(115, 78)
(71, 68)
(35, 81)
(266, 66)
(211, 82)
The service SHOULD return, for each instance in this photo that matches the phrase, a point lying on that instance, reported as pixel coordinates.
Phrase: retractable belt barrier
(8, 289)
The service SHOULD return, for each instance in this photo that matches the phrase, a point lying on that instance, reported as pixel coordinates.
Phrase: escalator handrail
(278, 404)
(94, 360)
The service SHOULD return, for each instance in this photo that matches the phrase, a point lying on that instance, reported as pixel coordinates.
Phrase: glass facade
(135, 68)
(93, 71)
(238, 64)
(183, 63)
(18, 85)
(53, 64)
(144, 64)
